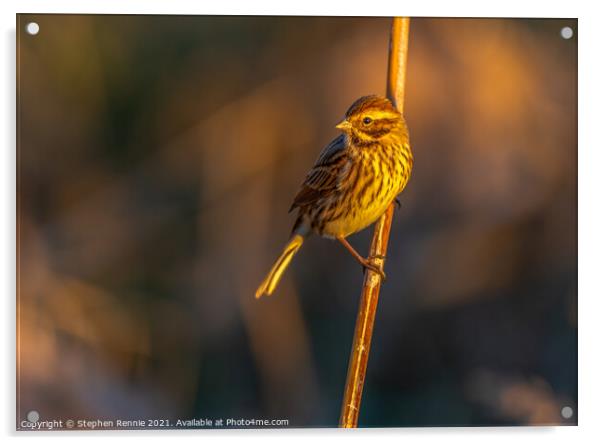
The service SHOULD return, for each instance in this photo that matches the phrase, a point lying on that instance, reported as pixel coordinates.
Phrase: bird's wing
(326, 174)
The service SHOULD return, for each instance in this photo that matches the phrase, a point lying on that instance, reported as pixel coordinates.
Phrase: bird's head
(371, 118)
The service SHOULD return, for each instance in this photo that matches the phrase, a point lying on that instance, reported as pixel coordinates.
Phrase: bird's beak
(344, 125)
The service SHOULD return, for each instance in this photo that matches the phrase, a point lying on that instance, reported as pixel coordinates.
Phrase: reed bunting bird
(354, 180)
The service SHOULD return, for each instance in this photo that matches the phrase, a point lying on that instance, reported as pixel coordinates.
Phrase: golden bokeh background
(157, 159)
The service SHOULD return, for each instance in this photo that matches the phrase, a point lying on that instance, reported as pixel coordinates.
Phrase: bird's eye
(367, 121)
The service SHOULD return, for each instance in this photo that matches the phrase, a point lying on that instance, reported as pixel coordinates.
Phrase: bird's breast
(373, 182)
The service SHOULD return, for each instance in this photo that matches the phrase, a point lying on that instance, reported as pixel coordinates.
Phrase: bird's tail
(270, 282)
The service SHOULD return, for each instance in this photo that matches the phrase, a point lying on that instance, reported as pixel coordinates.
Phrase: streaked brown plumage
(353, 181)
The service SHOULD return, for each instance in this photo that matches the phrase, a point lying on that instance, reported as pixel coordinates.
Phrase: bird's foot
(397, 203)
(369, 263)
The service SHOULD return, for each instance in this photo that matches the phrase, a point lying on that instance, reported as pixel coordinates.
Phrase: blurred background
(157, 159)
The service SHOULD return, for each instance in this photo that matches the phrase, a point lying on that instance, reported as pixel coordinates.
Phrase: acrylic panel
(158, 157)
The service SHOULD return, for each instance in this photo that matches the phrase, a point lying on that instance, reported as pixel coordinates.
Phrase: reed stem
(362, 339)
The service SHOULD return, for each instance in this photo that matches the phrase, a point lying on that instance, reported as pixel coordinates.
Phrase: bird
(352, 183)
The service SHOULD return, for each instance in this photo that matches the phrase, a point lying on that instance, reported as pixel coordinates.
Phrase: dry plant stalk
(356, 373)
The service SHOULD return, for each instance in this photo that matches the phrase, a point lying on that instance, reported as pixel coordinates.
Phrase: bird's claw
(376, 268)
(397, 203)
